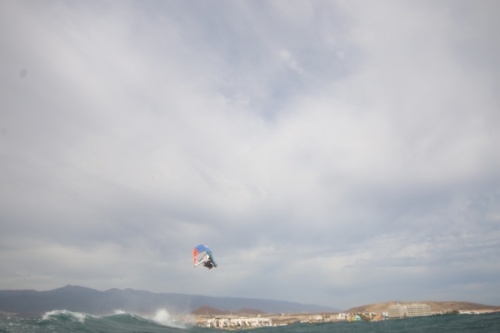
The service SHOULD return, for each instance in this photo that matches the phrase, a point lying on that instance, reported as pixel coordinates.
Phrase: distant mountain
(87, 300)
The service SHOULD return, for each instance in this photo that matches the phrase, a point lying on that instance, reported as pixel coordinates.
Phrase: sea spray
(164, 318)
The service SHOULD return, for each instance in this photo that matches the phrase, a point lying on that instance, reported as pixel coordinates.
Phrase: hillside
(207, 311)
(210, 311)
(435, 306)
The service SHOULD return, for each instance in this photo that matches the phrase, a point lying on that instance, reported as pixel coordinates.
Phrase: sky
(336, 153)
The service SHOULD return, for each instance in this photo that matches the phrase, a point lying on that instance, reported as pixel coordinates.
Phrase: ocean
(66, 321)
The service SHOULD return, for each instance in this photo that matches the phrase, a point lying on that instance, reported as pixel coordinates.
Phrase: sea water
(66, 321)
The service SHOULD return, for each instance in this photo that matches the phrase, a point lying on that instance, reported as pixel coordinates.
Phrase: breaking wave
(67, 321)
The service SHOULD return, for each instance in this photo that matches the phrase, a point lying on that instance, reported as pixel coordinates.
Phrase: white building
(418, 310)
(238, 322)
(398, 311)
(342, 316)
(411, 310)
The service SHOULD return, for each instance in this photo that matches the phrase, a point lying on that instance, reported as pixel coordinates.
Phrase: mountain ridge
(91, 301)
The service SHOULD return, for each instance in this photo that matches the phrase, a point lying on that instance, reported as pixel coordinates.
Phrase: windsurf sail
(202, 255)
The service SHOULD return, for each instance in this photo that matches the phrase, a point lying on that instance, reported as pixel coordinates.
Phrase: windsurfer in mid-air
(209, 264)
(203, 255)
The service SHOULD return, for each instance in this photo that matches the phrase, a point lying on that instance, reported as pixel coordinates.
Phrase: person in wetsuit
(208, 264)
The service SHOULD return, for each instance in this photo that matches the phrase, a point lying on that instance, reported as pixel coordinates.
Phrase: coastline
(242, 321)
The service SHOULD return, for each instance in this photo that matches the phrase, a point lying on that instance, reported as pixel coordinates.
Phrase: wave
(63, 321)
(64, 315)
(120, 321)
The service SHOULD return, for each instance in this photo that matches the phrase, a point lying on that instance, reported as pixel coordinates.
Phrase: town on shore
(389, 311)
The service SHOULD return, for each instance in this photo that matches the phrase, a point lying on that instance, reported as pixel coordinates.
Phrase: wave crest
(65, 315)
(119, 319)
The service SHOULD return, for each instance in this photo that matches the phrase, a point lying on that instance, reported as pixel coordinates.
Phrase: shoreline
(237, 321)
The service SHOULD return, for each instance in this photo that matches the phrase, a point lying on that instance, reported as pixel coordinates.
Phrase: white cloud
(347, 140)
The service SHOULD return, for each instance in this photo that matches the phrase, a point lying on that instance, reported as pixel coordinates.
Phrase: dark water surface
(65, 321)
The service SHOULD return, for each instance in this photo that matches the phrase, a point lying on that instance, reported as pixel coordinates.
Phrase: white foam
(76, 315)
(164, 318)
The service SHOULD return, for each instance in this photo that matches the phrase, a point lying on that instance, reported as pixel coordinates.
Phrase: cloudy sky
(329, 152)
